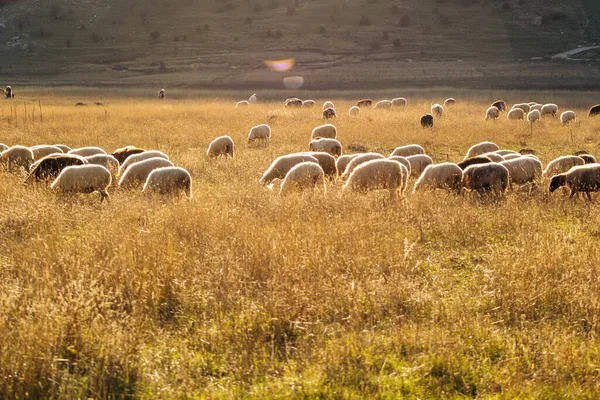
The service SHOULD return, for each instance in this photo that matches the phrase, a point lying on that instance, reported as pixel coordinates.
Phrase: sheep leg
(104, 195)
(589, 196)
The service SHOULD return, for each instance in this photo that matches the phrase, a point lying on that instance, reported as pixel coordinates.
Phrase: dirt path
(567, 54)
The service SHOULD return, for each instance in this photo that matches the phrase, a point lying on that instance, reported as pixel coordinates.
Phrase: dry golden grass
(239, 293)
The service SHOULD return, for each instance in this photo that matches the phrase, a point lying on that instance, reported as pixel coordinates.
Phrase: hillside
(337, 43)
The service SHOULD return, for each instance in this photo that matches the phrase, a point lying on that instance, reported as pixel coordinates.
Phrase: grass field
(240, 293)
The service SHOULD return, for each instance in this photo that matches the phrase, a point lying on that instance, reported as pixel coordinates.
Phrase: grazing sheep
(505, 152)
(376, 174)
(169, 180)
(261, 133)
(383, 104)
(358, 160)
(8, 93)
(303, 176)
(364, 103)
(549, 109)
(327, 104)
(583, 179)
(403, 161)
(124, 152)
(440, 176)
(516, 114)
(308, 103)
(327, 163)
(523, 106)
(533, 116)
(493, 156)
(293, 103)
(567, 117)
(408, 150)
(41, 151)
(437, 110)
(492, 113)
(243, 103)
(106, 160)
(500, 105)
(65, 149)
(512, 156)
(427, 121)
(418, 163)
(283, 164)
(594, 110)
(221, 146)
(523, 170)
(3, 147)
(161, 94)
(17, 157)
(141, 157)
(483, 159)
(253, 98)
(87, 151)
(329, 113)
(399, 102)
(535, 107)
(326, 145)
(588, 158)
(49, 167)
(562, 164)
(324, 131)
(449, 102)
(486, 178)
(83, 179)
(353, 111)
(343, 161)
(481, 148)
(136, 174)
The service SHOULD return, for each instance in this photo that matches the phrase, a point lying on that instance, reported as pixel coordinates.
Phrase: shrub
(55, 11)
(385, 36)
(272, 4)
(162, 67)
(405, 20)
(397, 43)
(395, 9)
(291, 10)
(95, 38)
(154, 35)
(68, 43)
(364, 21)
(248, 21)
(554, 16)
(506, 6)
(257, 7)
(322, 29)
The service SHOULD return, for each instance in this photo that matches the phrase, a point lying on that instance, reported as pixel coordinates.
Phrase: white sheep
(481, 148)
(328, 104)
(65, 149)
(492, 113)
(253, 98)
(3, 147)
(17, 157)
(533, 116)
(43, 150)
(403, 161)
(241, 104)
(353, 111)
(523, 170)
(535, 106)
(324, 131)
(408, 150)
(418, 163)
(106, 160)
(516, 114)
(83, 179)
(358, 160)
(522, 106)
(169, 180)
(308, 103)
(283, 164)
(399, 102)
(221, 146)
(512, 156)
(141, 157)
(260, 132)
(87, 151)
(303, 176)
(449, 102)
(330, 146)
(562, 164)
(505, 152)
(549, 109)
(484, 178)
(585, 179)
(136, 174)
(567, 117)
(493, 156)
(327, 163)
(343, 161)
(383, 104)
(440, 176)
(437, 110)
(375, 175)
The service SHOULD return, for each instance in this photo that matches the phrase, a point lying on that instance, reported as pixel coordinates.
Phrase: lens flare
(280, 65)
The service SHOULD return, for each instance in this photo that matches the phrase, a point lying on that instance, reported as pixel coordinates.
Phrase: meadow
(239, 293)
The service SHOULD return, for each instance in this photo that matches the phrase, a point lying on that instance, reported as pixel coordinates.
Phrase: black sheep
(48, 168)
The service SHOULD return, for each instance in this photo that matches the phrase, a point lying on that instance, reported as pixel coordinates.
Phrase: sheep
(282, 165)
(327, 104)
(343, 161)
(383, 104)
(588, 158)
(493, 156)
(594, 110)
(364, 103)
(293, 102)
(243, 103)
(329, 113)
(43, 150)
(516, 114)
(376, 174)
(486, 178)
(136, 174)
(523, 106)
(302, 176)
(260, 132)
(308, 103)
(221, 146)
(327, 163)
(324, 131)
(83, 179)
(512, 156)
(124, 152)
(87, 151)
(8, 93)
(65, 149)
(481, 148)
(106, 160)
(169, 180)
(476, 160)
(161, 94)
(17, 157)
(504, 152)
(562, 164)
(49, 167)
(408, 150)
(533, 116)
(418, 163)
(567, 117)
(427, 121)
(500, 105)
(326, 145)
(253, 98)
(523, 170)
(399, 102)
(527, 151)
(449, 102)
(440, 176)
(3, 147)
(353, 111)
(437, 110)
(358, 160)
(492, 113)
(584, 179)
(549, 109)
(403, 161)
(535, 107)
(141, 157)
